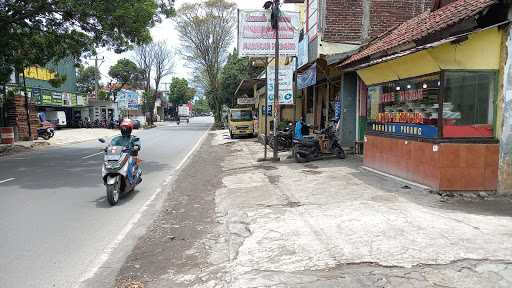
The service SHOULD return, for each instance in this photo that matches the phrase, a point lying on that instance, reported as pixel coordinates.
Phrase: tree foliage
(125, 72)
(179, 92)
(201, 105)
(235, 70)
(206, 31)
(86, 78)
(35, 32)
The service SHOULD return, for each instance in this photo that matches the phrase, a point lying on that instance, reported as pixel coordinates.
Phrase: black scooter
(45, 133)
(308, 149)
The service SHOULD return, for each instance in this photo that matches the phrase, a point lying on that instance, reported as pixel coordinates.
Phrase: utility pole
(27, 106)
(276, 14)
(266, 110)
(96, 76)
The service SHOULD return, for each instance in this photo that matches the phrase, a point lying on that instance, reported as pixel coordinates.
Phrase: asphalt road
(54, 219)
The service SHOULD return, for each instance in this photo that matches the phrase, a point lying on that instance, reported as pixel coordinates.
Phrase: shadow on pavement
(124, 198)
(61, 168)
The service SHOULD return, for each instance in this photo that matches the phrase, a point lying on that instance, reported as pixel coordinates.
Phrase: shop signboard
(66, 99)
(57, 98)
(36, 94)
(80, 100)
(46, 98)
(410, 130)
(307, 78)
(73, 99)
(269, 110)
(133, 100)
(246, 101)
(337, 111)
(285, 82)
(303, 57)
(256, 38)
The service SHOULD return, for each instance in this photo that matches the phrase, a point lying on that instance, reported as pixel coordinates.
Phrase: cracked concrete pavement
(321, 224)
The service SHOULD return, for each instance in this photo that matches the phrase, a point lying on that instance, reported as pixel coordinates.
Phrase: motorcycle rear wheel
(46, 136)
(340, 154)
(113, 194)
(300, 158)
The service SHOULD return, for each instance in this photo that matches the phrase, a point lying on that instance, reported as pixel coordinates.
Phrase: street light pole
(276, 15)
(266, 110)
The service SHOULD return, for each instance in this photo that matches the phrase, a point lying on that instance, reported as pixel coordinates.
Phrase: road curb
(107, 252)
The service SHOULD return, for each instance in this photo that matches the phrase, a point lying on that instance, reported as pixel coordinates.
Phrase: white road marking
(7, 180)
(110, 248)
(92, 155)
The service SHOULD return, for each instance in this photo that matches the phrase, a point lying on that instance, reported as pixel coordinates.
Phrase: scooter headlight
(112, 165)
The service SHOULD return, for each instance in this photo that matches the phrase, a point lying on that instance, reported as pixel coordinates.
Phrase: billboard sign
(285, 82)
(256, 38)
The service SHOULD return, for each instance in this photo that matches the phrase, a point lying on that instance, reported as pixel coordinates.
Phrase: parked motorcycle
(121, 172)
(45, 133)
(308, 149)
(284, 139)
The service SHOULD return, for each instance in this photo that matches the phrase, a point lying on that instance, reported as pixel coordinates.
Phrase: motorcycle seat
(310, 141)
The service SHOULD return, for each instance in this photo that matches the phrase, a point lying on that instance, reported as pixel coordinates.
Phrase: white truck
(183, 113)
(57, 117)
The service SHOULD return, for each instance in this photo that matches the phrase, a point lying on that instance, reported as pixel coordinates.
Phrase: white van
(57, 117)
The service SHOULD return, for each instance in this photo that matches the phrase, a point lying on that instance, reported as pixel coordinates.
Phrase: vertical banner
(312, 20)
(303, 57)
(285, 82)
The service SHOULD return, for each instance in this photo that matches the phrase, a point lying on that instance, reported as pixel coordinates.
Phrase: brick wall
(343, 21)
(17, 118)
(344, 18)
(385, 14)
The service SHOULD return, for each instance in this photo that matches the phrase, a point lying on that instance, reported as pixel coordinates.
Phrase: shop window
(468, 104)
(408, 107)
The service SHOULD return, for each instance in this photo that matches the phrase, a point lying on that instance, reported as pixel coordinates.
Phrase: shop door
(349, 109)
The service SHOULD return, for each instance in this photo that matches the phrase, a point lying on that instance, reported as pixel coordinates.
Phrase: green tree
(235, 70)
(179, 91)
(86, 78)
(37, 32)
(149, 99)
(206, 31)
(125, 72)
(201, 105)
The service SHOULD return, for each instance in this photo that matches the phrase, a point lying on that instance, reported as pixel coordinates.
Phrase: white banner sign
(312, 21)
(256, 38)
(246, 101)
(285, 82)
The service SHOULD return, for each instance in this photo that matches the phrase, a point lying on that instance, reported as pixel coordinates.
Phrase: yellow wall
(482, 50)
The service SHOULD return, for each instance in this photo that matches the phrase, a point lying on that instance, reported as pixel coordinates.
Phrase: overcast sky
(166, 31)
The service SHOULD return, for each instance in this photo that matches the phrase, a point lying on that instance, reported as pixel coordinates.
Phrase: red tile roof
(421, 26)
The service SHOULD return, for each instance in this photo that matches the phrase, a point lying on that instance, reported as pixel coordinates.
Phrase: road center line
(110, 248)
(7, 180)
(92, 155)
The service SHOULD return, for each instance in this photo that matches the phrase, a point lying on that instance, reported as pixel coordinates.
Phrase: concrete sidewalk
(331, 224)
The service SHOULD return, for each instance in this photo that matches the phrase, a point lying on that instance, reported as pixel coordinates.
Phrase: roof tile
(421, 26)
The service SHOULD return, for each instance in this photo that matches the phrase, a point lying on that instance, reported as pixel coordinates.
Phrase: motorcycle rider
(126, 139)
